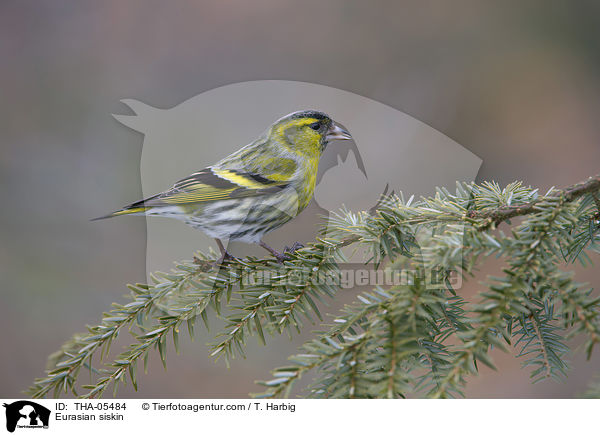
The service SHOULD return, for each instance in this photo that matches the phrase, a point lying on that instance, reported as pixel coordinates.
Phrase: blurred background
(516, 84)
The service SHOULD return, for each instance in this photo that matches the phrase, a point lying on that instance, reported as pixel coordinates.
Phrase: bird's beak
(337, 132)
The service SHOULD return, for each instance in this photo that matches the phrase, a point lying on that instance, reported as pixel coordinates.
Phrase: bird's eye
(315, 125)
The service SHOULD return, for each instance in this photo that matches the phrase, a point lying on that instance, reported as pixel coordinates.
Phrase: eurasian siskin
(254, 190)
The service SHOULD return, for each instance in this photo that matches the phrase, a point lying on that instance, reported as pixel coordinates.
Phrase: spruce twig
(405, 339)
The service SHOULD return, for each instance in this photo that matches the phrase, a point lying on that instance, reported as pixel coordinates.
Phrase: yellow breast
(306, 187)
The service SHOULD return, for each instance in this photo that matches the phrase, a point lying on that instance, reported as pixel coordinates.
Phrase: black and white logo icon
(26, 414)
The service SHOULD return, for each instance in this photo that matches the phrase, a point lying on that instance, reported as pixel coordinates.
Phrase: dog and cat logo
(25, 414)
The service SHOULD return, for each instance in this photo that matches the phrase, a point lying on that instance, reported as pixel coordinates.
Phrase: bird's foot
(225, 257)
(207, 265)
(293, 248)
(281, 257)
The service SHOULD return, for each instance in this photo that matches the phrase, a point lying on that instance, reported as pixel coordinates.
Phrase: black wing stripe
(208, 178)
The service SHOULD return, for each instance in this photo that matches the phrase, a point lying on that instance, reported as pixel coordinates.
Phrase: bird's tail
(125, 211)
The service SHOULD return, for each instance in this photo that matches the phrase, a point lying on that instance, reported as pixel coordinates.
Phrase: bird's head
(307, 132)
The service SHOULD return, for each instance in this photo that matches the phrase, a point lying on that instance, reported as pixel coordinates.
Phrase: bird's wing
(212, 184)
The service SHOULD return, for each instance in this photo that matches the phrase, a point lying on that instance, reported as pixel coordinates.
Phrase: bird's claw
(207, 265)
(225, 257)
(293, 248)
(282, 256)
(288, 250)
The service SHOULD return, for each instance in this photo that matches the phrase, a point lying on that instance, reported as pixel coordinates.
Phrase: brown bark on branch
(571, 193)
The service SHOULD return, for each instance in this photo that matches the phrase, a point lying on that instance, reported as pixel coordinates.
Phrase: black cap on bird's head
(308, 114)
(333, 130)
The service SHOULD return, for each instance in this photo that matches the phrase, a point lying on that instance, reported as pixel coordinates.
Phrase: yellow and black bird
(254, 190)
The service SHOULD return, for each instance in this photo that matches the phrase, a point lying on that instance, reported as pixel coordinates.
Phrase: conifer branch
(410, 338)
(504, 213)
